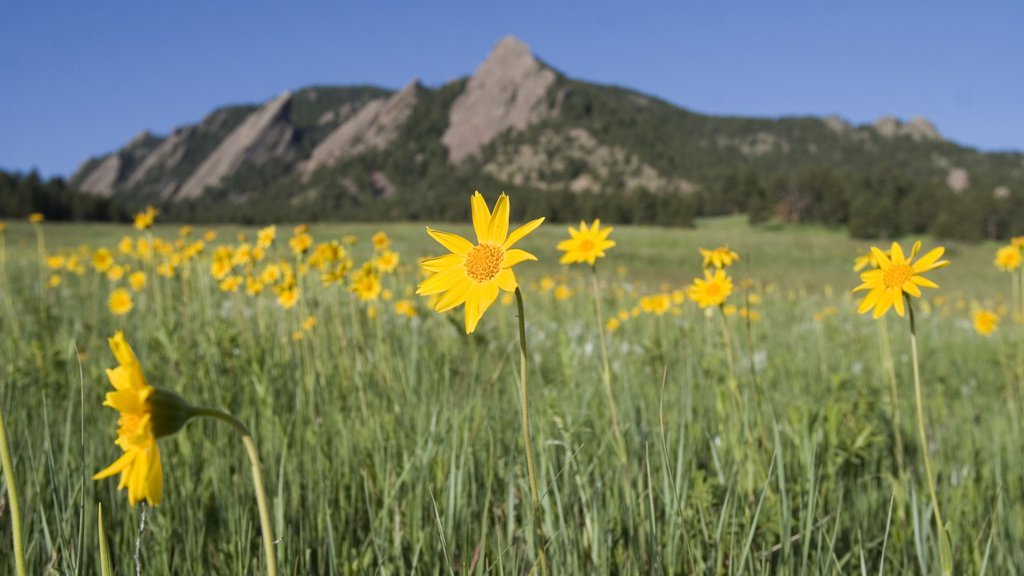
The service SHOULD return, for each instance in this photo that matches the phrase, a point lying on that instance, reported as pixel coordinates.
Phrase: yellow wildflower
(712, 290)
(586, 244)
(721, 257)
(897, 276)
(120, 302)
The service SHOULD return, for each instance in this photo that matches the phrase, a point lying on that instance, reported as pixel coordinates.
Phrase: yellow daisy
(120, 302)
(711, 290)
(586, 244)
(985, 322)
(720, 257)
(1008, 258)
(896, 276)
(473, 274)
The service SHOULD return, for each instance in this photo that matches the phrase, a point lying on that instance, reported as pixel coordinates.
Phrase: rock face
(167, 153)
(102, 179)
(919, 129)
(261, 135)
(374, 126)
(958, 179)
(507, 91)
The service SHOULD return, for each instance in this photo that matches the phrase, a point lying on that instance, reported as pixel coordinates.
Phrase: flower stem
(257, 480)
(528, 446)
(12, 496)
(945, 554)
(607, 371)
(894, 394)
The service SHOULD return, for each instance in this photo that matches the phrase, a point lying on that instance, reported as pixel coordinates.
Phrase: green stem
(894, 394)
(528, 446)
(943, 555)
(12, 496)
(257, 480)
(607, 372)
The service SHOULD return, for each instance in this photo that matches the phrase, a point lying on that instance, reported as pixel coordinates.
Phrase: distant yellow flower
(55, 281)
(586, 244)
(563, 292)
(185, 231)
(115, 273)
(102, 260)
(752, 315)
(729, 309)
(220, 268)
(507, 299)
(231, 284)
(897, 276)
(678, 297)
(622, 315)
(381, 241)
(387, 260)
(473, 274)
(36, 218)
(288, 297)
(1017, 241)
(721, 257)
(145, 218)
(253, 286)
(366, 284)
(3, 226)
(405, 308)
(712, 290)
(350, 239)
(298, 336)
(300, 243)
(137, 280)
(55, 262)
(1008, 258)
(547, 284)
(209, 236)
(120, 302)
(612, 324)
(656, 304)
(985, 322)
(166, 270)
(271, 273)
(309, 323)
(265, 237)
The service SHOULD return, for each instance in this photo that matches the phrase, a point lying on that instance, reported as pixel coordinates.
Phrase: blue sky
(82, 78)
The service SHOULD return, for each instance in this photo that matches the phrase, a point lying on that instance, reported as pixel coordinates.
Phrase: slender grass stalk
(894, 393)
(527, 444)
(12, 497)
(257, 480)
(945, 553)
(607, 370)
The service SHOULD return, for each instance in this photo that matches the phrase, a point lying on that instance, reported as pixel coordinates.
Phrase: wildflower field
(725, 411)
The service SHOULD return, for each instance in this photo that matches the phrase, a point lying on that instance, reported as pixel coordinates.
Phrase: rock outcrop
(373, 127)
(260, 136)
(919, 129)
(509, 90)
(102, 180)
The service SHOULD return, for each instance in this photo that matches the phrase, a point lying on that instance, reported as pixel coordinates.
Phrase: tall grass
(390, 445)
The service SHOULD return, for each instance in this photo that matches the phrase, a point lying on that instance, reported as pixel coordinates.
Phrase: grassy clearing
(391, 444)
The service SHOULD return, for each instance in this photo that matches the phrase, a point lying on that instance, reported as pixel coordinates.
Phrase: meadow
(774, 434)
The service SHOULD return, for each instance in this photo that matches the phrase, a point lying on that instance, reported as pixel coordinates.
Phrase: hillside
(571, 148)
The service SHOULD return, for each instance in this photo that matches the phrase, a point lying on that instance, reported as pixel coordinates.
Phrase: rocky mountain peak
(507, 91)
(919, 129)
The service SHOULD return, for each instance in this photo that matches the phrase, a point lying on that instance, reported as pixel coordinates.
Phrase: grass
(391, 445)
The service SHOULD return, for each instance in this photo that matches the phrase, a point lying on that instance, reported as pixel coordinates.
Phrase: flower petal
(521, 232)
(498, 229)
(454, 296)
(441, 281)
(515, 256)
(453, 242)
(481, 217)
(442, 262)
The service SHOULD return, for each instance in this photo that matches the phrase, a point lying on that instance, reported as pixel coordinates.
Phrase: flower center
(484, 262)
(586, 245)
(713, 289)
(897, 275)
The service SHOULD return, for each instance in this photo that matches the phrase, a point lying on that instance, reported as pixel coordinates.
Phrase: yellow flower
(405, 308)
(300, 243)
(120, 302)
(622, 315)
(309, 323)
(1017, 241)
(563, 292)
(55, 262)
(547, 284)
(720, 257)
(102, 260)
(55, 281)
(137, 280)
(271, 273)
(729, 309)
(145, 218)
(864, 260)
(387, 260)
(612, 324)
(1008, 258)
(209, 236)
(298, 336)
(711, 290)
(350, 239)
(36, 218)
(586, 244)
(473, 274)
(657, 304)
(166, 270)
(231, 284)
(985, 322)
(253, 286)
(288, 297)
(185, 231)
(3, 226)
(265, 237)
(147, 413)
(366, 284)
(897, 276)
(115, 273)
(126, 246)
(381, 241)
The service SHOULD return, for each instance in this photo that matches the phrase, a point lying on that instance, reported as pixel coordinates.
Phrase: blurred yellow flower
(3, 226)
(656, 304)
(115, 273)
(1008, 258)
(55, 262)
(288, 297)
(137, 280)
(102, 260)
(209, 236)
(985, 322)
(309, 323)
(185, 231)
(381, 241)
(563, 292)
(586, 244)
(231, 284)
(36, 218)
(721, 257)
(145, 218)
(473, 274)
(253, 286)
(55, 281)
(366, 284)
(266, 236)
(166, 270)
(405, 308)
(612, 324)
(120, 302)
(300, 243)
(897, 276)
(387, 260)
(712, 290)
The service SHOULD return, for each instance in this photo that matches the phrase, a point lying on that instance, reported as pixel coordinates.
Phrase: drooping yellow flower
(721, 257)
(36, 218)
(120, 302)
(1008, 258)
(137, 280)
(896, 276)
(586, 244)
(985, 322)
(381, 241)
(711, 290)
(473, 274)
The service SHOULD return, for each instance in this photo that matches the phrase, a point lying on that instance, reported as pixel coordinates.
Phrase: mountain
(570, 147)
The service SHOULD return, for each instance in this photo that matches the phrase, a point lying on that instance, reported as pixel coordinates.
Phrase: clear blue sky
(82, 78)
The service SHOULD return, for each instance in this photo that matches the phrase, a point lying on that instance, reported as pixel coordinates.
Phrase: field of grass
(757, 443)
